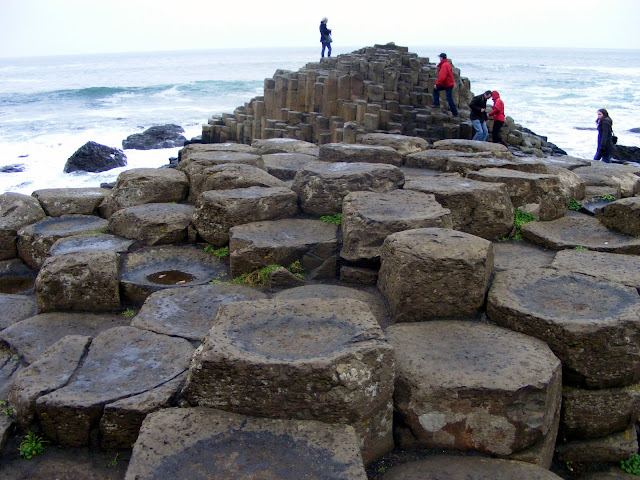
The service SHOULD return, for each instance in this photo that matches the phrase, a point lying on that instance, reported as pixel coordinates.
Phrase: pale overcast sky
(59, 27)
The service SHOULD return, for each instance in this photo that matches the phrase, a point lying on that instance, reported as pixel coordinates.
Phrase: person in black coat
(605, 137)
(479, 116)
(325, 37)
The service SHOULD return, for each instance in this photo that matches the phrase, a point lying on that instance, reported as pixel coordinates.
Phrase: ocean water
(51, 106)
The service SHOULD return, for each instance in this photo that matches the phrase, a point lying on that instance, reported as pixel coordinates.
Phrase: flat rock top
(470, 355)
(617, 268)
(156, 211)
(70, 193)
(439, 243)
(372, 297)
(448, 185)
(14, 308)
(579, 230)
(95, 241)
(141, 265)
(281, 145)
(67, 224)
(250, 193)
(339, 169)
(219, 147)
(150, 174)
(121, 362)
(201, 443)
(287, 232)
(355, 148)
(561, 297)
(442, 467)
(509, 255)
(17, 210)
(293, 330)
(473, 146)
(31, 337)
(190, 311)
(394, 205)
(509, 174)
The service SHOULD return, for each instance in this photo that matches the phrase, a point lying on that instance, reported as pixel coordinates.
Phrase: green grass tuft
(333, 219)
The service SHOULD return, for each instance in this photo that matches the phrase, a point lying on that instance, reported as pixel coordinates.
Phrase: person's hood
(495, 95)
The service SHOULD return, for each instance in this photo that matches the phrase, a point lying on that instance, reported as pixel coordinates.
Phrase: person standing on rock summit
(444, 82)
(325, 37)
(605, 136)
(497, 113)
(479, 117)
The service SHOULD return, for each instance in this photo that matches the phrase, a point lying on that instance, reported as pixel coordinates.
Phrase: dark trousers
(326, 45)
(495, 133)
(449, 92)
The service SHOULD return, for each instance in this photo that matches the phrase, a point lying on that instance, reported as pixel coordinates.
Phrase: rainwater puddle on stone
(170, 277)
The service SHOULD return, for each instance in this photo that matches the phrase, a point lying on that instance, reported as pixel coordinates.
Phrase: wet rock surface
(155, 268)
(30, 338)
(121, 362)
(624, 269)
(93, 157)
(592, 325)
(14, 308)
(579, 231)
(234, 446)
(35, 240)
(94, 241)
(189, 312)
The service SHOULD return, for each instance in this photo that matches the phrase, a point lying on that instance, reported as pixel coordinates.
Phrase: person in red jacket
(497, 113)
(444, 82)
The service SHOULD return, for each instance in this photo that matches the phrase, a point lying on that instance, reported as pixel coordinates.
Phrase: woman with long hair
(605, 136)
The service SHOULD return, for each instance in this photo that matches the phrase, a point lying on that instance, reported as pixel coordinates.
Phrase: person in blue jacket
(479, 116)
(325, 37)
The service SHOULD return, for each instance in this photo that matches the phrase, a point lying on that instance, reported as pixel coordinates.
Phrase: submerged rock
(93, 157)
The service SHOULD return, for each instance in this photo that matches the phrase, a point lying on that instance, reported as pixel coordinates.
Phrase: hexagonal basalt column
(70, 201)
(281, 242)
(155, 268)
(34, 241)
(219, 210)
(322, 186)
(368, 218)
(231, 176)
(341, 152)
(469, 386)
(16, 211)
(121, 362)
(285, 165)
(189, 312)
(310, 359)
(622, 215)
(479, 208)
(82, 281)
(543, 194)
(182, 443)
(145, 185)
(592, 325)
(434, 273)
(153, 223)
(579, 231)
